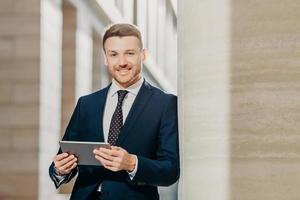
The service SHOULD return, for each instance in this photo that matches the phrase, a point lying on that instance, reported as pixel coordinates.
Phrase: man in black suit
(137, 119)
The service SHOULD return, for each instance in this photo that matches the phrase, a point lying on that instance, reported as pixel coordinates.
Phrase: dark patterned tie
(117, 119)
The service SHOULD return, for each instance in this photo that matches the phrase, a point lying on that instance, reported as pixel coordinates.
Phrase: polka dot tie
(117, 119)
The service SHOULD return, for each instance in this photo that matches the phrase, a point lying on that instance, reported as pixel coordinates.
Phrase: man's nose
(122, 61)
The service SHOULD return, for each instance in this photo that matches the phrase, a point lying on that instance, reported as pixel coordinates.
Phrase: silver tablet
(83, 151)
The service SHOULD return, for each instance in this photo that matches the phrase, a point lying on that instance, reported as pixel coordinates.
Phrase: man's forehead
(122, 43)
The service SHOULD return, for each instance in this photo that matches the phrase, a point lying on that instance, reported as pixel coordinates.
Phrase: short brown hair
(122, 30)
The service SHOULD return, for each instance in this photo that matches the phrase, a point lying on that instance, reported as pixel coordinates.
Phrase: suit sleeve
(72, 129)
(164, 170)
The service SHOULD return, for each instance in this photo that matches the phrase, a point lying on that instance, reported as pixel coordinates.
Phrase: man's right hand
(64, 163)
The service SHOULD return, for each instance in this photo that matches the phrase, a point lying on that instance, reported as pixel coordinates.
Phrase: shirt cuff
(59, 178)
(132, 174)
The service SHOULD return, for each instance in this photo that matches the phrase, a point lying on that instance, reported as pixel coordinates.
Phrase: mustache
(123, 66)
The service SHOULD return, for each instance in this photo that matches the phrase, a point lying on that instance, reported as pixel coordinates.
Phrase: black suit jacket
(150, 132)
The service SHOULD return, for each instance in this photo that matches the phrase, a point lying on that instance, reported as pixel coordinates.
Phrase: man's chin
(123, 82)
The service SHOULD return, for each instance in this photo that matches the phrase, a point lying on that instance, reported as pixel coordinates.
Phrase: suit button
(141, 183)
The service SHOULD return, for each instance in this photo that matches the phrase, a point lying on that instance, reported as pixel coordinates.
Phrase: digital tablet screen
(83, 151)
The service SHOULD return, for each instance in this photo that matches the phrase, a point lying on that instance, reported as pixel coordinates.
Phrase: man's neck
(128, 85)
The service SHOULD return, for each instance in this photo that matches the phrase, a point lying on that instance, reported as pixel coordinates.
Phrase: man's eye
(113, 54)
(131, 53)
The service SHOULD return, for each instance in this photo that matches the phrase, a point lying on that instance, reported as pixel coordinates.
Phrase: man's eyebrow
(112, 51)
(116, 51)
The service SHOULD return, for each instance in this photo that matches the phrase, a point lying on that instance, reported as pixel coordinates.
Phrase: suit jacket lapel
(138, 105)
(99, 115)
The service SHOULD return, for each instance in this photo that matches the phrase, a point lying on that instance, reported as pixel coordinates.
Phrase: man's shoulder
(95, 95)
(160, 93)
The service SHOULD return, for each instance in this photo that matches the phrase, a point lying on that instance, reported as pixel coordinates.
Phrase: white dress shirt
(112, 100)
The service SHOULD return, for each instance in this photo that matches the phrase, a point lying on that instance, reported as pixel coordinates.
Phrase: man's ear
(144, 54)
(104, 56)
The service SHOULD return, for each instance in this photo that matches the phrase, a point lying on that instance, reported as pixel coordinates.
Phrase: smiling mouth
(123, 71)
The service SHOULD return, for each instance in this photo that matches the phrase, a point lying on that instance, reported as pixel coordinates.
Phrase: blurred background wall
(238, 88)
(239, 92)
(50, 55)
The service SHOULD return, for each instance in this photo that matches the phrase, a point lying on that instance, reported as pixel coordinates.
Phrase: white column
(128, 10)
(142, 19)
(152, 28)
(84, 55)
(50, 94)
(204, 62)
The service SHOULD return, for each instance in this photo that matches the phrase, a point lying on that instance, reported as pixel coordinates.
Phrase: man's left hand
(115, 159)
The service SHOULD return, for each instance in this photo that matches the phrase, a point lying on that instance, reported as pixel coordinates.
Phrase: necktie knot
(121, 95)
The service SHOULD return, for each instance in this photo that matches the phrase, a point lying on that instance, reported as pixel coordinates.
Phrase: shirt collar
(133, 89)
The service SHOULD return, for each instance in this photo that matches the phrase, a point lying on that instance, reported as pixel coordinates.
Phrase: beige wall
(19, 96)
(239, 73)
(265, 100)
